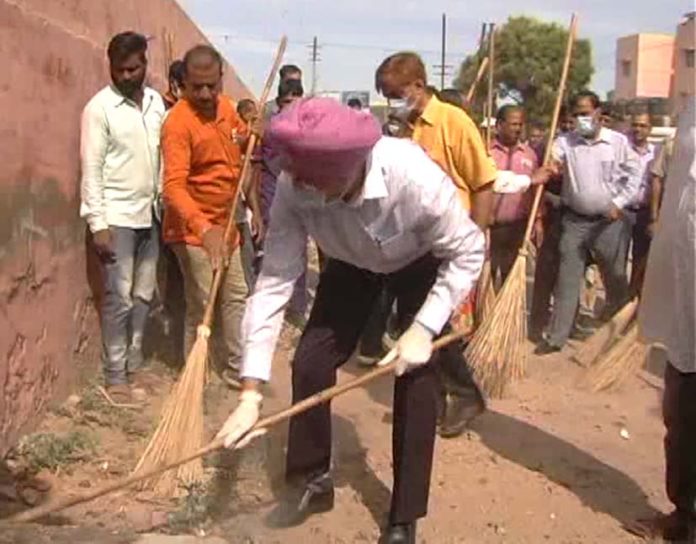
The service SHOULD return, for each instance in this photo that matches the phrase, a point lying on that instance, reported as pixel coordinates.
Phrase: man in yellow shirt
(451, 139)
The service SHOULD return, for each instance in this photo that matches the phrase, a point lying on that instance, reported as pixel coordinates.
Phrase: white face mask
(585, 125)
(400, 108)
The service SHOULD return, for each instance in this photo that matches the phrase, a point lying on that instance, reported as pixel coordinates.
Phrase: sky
(355, 36)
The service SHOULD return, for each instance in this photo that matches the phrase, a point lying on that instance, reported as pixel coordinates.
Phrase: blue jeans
(129, 285)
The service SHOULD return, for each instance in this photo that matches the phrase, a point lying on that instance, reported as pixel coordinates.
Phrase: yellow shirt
(452, 140)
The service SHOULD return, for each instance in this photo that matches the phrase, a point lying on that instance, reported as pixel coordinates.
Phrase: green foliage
(529, 58)
(51, 451)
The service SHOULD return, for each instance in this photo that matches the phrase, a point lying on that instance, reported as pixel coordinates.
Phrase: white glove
(508, 182)
(413, 349)
(242, 420)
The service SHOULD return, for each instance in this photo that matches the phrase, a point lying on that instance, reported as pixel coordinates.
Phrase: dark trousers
(608, 242)
(546, 272)
(640, 221)
(345, 297)
(679, 413)
(506, 240)
(371, 344)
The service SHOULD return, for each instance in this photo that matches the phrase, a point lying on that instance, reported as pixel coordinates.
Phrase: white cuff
(508, 182)
(433, 316)
(96, 224)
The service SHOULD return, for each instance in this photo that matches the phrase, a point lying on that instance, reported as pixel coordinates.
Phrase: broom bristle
(621, 361)
(180, 430)
(497, 353)
(606, 335)
(485, 294)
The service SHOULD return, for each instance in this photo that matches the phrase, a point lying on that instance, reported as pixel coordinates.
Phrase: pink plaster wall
(52, 54)
(650, 57)
(655, 55)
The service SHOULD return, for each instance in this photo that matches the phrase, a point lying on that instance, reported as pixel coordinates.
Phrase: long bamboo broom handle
(552, 131)
(219, 273)
(491, 66)
(479, 76)
(481, 68)
(319, 398)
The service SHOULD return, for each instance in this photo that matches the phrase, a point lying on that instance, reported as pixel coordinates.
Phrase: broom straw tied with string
(61, 503)
(497, 352)
(180, 431)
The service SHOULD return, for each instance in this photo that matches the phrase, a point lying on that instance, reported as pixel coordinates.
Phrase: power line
(344, 45)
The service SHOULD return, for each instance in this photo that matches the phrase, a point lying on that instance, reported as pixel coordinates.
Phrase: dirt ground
(546, 464)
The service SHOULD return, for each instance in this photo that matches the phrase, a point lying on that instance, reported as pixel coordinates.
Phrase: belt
(568, 209)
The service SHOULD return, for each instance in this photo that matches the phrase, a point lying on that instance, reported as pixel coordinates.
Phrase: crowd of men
(397, 213)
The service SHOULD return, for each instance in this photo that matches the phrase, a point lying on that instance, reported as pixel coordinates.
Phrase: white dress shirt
(668, 300)
(408, 207)
(119, 149)
(598, 173)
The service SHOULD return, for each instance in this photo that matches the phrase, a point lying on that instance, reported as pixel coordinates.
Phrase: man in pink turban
(382, 213)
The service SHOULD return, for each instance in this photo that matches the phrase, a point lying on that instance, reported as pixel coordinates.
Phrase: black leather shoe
(458, 413)
(315, 497)
(546, 349)
(400, 534)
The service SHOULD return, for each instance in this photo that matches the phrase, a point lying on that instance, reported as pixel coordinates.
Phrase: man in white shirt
(384, 214)
(119, 150)
(600, 179)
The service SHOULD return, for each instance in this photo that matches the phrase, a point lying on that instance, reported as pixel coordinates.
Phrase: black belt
(568, 209)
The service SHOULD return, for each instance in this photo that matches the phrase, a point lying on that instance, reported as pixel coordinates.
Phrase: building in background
(655, 71)
(684, 83)
(644, 66)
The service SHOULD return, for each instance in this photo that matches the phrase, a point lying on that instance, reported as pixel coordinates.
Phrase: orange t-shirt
(202, 162)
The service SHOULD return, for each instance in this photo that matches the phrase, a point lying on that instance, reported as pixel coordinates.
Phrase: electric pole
(314, 58)
(443, 69)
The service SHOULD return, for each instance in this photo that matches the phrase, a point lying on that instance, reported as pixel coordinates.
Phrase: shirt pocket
(399, 246)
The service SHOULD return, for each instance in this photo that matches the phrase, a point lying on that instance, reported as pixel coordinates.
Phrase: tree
(528, 59)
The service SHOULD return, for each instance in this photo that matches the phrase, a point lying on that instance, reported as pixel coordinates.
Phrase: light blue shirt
(646, 157)
(598, 173)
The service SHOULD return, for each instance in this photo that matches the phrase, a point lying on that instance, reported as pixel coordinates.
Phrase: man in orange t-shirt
(202, 142)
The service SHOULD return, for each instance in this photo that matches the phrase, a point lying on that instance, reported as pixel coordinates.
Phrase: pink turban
(323, 138)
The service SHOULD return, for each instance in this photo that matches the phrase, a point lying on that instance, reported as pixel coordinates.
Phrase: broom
(624, 359)
(497, 352)
(322, 397)
(180, 431)
(606, 335)
(485, 293)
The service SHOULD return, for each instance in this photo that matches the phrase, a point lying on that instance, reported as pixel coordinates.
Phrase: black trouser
(371, 344)
(679, 413)
(345, 297)
(640, 238)
(506, 241)
(546, 272)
